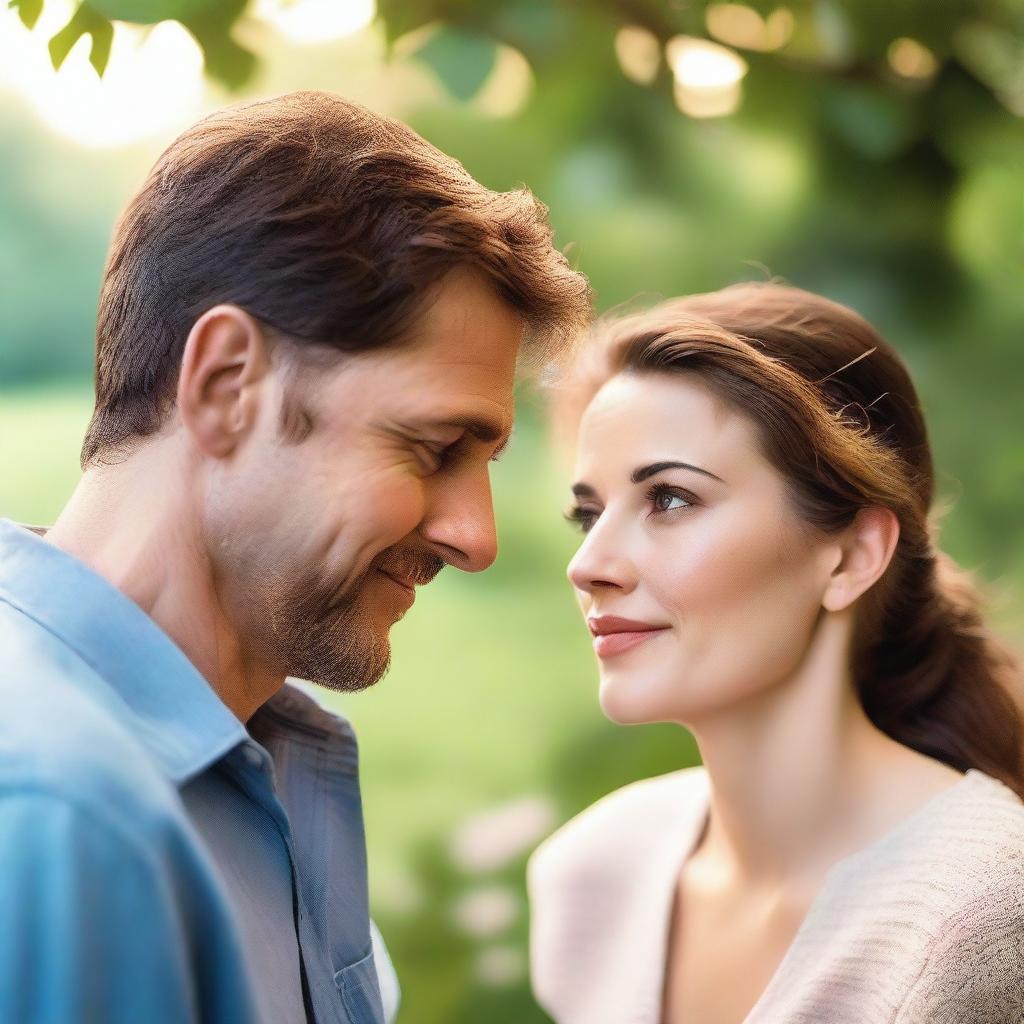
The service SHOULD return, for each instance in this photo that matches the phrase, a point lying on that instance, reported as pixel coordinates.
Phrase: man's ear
(223, 367)
(864, 554)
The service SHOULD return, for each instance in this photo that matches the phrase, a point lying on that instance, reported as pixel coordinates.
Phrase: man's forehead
(466, 329)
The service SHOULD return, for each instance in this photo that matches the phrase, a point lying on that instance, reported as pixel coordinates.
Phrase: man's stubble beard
(322, 636)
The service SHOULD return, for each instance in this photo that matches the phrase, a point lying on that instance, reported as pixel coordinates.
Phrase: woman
(754, 482)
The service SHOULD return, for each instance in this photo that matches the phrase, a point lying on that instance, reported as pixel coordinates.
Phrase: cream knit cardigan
(924, 926)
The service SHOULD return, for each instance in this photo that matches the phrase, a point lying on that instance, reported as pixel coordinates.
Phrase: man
(308, 331)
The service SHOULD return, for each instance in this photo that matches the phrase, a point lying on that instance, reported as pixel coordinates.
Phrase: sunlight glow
(911, 59)
(639, 53)
(708, 76)
(508, 86)
(153, 83)
(316, 21)
(742, 26)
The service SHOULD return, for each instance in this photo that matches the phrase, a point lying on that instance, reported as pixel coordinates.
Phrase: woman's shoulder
(600, 891)
(952, 873)
(621, 829)
(974, 844)
(970, 839)
(974, 871)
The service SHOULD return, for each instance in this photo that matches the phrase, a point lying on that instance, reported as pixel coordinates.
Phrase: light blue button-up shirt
(159, 862)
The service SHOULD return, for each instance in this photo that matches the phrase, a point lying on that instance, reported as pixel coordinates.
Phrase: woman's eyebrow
(638, 476)
(641, 474)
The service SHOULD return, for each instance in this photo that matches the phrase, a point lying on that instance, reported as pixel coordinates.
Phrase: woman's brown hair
(838, 416)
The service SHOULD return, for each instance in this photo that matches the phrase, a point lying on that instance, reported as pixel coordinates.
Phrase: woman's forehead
(640, 410)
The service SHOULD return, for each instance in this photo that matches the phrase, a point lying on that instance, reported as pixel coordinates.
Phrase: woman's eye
(584, 518)
(666, 499)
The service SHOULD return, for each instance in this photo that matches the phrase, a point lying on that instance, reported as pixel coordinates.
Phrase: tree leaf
(402, 16)
(876, 123)
(226, 61)
(149, 12)
(462, 60)
(28, 11)
(85, 21)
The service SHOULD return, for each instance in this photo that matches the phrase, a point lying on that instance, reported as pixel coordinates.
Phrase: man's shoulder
(60, 736)
(630, 818)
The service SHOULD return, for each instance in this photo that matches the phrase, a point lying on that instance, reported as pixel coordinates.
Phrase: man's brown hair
(326, 222)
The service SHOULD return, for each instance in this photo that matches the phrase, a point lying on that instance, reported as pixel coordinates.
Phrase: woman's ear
(223, 364)
(866, 551)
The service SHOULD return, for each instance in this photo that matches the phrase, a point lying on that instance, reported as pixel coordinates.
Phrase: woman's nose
(600, 564)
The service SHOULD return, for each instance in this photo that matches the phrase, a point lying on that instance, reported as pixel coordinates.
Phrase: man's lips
(404, 592)
(614, 634)
(402, 581)
(408, 579)
(411, 571)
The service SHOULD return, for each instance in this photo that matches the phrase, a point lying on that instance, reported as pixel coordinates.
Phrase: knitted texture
(923, 926)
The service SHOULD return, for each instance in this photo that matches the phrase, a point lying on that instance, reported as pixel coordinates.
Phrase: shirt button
(253, 757)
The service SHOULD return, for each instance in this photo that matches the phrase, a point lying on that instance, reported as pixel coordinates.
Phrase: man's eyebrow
(482, 429)
(639, 475)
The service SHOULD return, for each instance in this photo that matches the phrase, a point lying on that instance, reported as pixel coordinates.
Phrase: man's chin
(351, 672)
(350, 684)
(344, 647)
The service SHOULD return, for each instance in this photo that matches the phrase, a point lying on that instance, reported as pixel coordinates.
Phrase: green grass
(40, 434)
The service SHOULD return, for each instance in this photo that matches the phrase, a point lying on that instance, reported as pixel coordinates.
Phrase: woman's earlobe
(866, 554)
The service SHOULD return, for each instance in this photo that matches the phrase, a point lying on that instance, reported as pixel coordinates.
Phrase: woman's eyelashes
(663, 499)
(582, 517)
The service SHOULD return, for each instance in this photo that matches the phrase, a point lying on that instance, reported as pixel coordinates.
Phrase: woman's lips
(608, 644)
(614, 634)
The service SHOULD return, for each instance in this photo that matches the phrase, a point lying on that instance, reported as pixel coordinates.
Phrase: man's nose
(460, 522)
(601, 563)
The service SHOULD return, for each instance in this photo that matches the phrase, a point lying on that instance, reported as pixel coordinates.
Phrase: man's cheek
(396, 510)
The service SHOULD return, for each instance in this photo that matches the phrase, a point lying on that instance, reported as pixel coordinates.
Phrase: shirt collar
(167, 704)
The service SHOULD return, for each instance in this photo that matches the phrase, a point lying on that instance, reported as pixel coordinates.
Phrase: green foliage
(28, 11)
(85, 21)
(841, 40)
(462, 60)
(149, 12)
(209, 21)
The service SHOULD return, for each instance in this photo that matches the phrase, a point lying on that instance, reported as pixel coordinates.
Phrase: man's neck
(135, 524)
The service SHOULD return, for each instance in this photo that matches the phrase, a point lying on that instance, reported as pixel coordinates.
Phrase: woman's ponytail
(937, 679)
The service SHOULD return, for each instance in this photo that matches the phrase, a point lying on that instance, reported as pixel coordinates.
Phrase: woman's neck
(800, 777)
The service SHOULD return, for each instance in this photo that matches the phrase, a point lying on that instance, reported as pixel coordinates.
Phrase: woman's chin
(628, 702)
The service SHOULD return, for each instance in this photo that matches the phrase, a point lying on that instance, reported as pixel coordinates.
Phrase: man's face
(317, 545)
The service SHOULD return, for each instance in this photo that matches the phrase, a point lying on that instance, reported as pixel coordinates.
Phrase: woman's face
(697, 579)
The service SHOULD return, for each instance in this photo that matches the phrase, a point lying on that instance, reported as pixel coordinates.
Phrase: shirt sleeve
(91, 930)
(974, 973)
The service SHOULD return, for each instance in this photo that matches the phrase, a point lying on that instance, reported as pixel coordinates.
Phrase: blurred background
(871, 151)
